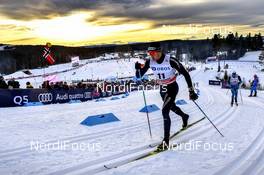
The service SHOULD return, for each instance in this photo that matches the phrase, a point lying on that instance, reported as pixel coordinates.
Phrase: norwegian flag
(47, 55)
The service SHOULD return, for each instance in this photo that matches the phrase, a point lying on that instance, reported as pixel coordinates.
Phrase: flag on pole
(47, 54)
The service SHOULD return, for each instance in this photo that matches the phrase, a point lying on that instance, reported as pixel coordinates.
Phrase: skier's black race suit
(165, 70)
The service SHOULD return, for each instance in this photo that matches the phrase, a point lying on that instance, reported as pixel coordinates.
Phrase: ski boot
(185, 119)
(163, 146)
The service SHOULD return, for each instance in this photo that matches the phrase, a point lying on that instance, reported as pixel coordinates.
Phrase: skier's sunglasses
(152, 52)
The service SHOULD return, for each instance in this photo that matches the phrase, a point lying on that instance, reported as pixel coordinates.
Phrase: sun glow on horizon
(69, 29)
(80, 28)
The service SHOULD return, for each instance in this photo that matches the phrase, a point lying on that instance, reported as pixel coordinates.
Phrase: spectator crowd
(11, 84)
(98, 86)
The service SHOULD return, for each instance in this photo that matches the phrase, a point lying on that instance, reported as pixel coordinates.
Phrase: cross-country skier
(165, 68)
(254, 86)
(234, 82)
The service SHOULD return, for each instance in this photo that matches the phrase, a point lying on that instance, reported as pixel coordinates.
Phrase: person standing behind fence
(254, 86)
(12, 84)
(225, 80)
(3, 84)
(234, 82)
(29, 86)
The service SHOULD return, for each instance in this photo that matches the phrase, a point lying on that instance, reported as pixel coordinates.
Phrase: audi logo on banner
(45, 98)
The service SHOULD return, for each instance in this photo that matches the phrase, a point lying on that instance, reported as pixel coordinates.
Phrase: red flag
(47, 54)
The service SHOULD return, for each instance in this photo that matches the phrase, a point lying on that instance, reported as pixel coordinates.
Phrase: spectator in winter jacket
(46, 85)
(244, 83)
(65, 86)
(254, 86)
(225, 80)
(234, 81)
(12, 84)
(3, 84)
(29, 86)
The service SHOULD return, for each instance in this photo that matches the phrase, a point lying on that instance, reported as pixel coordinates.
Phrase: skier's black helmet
(154, 47)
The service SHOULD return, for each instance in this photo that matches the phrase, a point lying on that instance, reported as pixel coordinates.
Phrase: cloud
(19, 40)
(43, 9)
(14, 27)
(230, 12)
(107, 21)
(159, 12)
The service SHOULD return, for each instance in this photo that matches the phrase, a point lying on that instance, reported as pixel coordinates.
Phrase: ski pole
(208, 118)
(241, 96)
(146, 107)
(227, 91)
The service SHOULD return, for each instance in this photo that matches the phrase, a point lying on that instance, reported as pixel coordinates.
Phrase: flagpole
(44, 72)
(48, 45)
(43, 68)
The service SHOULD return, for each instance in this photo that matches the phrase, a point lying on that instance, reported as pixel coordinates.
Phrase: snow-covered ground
(241, 151)
(247, 66)
(251, 56)
(96, 70)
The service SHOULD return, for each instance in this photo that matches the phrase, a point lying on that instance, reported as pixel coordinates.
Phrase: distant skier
(254, 86)
(234, 81)
(165, 68)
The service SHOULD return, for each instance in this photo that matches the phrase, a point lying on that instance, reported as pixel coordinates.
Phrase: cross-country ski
(131, 87)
